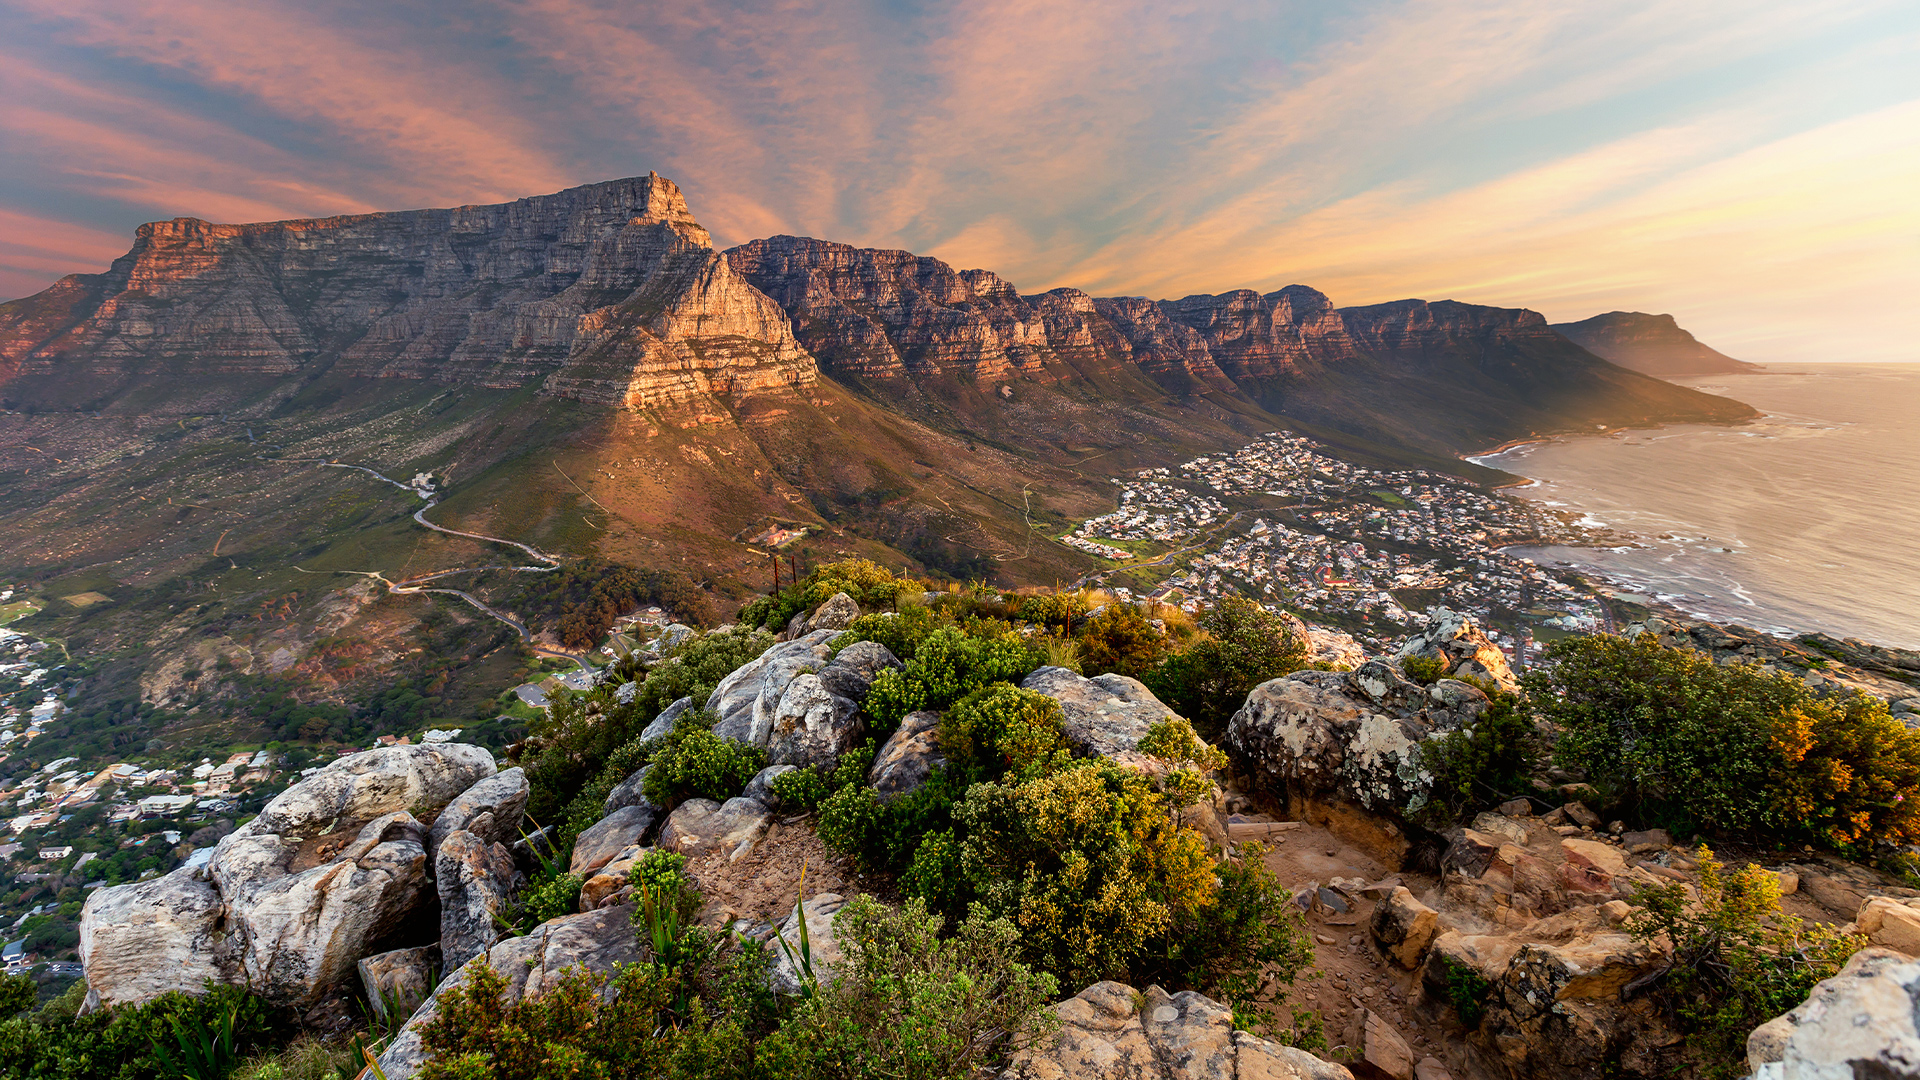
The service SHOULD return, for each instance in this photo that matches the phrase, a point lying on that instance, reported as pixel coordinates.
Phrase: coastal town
(1365, 550)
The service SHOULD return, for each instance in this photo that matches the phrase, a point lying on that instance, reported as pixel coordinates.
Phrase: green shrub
(120, 1043)
(1425, 670)
(900, 631)
(1667, 732)
(1056, 611)
(1481, 765)
(947, 665)
(1736, 961)
(1244, 646)
(807, 788)
(1467, 992)
(694, 763)
(905, 1003)
(885, 834)
(868, 583)
(1245, 947)
(1001, 729)
(550, 899)
(1120, 639)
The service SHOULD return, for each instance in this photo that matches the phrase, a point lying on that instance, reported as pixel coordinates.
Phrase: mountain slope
(1651, 344)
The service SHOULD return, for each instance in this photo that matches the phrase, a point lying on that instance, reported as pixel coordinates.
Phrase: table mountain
(1650, 344)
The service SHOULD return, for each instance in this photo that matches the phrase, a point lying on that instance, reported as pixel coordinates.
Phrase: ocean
(1808, 519)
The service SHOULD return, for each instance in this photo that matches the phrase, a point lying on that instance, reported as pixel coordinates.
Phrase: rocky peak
(1650, 344)
(1253, 337)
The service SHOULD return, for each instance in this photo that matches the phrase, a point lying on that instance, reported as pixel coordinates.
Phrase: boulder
(1556, 1010)
(812, 725)
(1431, 1068)
(855, 667)
(353, 790)
(821, 913)
(1403, 927)
(1110, 1031)
(760, 788)
(1384, 1053)
(662, 725)
(503, 796)
(744, 701)
(397, 982)
(1103, 716)
(1464, 651)
(908, 756)
(701, 826)
(1890, 923)
(631, 792)
(1647, 841)
(1580, 814)
(532, 965)
(611, 835)
(302, 911)
(837, 613)
(475, 879)
(1859, 1023)
(142, 940)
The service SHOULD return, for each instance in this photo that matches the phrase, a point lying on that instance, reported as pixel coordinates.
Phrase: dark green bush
(808, 788)
(1001, 729)
(1056, 611)
(1245, 947)
(1482, 765)
(550, 899)
(947, 665)
(868, 583)
(1244, 646)
(1120, 639)
(693, 763)
(118, 1043)
(1425, 670)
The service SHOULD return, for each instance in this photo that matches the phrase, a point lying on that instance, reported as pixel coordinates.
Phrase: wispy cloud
(1550, 152)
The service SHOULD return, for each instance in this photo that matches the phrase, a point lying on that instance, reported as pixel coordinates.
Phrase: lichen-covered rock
(744, 702)
(630, 792)
(908, 756)
(1463, 650)
(532, 965)
(701, 826)
(1109, 1031)
(609, 836)
(837, 613)
(357, 788)
(822, 913)
(661, 725)
(475, 879)
(501, 798)
(1859, 1023)
(1556, 1010)
(760, 788)
(812, 725)
(855, 667)
(1103, 716)
(142, 940)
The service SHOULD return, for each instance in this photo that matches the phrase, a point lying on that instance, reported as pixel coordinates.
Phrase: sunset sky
(1751, 167)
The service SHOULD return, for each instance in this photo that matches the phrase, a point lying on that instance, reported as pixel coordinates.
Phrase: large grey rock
(812, 725)
(837, 613)
(821, 913)
(908, 756)
(500, 798)
(760, 788)
(1110, 1031)
(744, 701)
(1463, 650)
(855, 667)
(1862, 1022)
(701, 826)
(302, 910)
(1349, 736)
(532, 965)
(421, 780)
(631, 792)
(611, 835)
(400, 979)
(475, 878)
(662, 725)
(1102, 716)
(142, 940)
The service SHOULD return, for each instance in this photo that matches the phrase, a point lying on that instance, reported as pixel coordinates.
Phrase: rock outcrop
(1103, 716)
(1859, 1023)
(608, 293)
(745, 702)
(1463, 650)
(1650, 344)
(909, 755)
(140, 941)
(701, 826)
(475, 878)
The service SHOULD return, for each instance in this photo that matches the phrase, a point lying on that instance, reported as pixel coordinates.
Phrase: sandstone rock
(631, 792)
(502, 796)
(1515, 808)
(1385, 1053)
(1464, 651)
(358, 788)
(475, 880)
(1891, 923)
(812, 725)
(1838, 896)
(699, 826)
(1579, 814)
(745, 700)
(1859, 1023)
(853, 670)
(1431, 1068)
(908, 756)
(760, 788)
(662, 725)
(142, 940)
(1102, 716)
(837, 613)
(302, 910)
(1647, 841)
(1502, 825)
(399, 980)
(532, 965)
(1109, 1031)
(1605, 858)
(1555, 1009)
(821, 912)
(1403, 927)
(612, 834)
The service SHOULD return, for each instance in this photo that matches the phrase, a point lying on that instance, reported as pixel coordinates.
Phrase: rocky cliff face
(1650, 344)
(609, 293)
(1254, 337)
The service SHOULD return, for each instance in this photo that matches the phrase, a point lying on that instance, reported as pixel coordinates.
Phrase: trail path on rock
(414, 584)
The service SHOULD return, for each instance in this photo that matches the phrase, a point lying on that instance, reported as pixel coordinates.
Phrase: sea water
(1807, 519)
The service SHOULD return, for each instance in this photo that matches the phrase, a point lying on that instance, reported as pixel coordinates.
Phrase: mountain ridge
(1651, 344)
